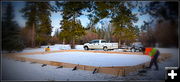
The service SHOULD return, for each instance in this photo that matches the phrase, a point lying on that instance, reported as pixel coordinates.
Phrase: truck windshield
(103, 41)
(94, 41)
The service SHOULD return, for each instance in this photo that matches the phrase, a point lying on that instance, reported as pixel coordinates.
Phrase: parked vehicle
(100, 44)
(136, 46)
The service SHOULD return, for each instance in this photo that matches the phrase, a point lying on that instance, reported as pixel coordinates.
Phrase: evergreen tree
(121, 18)
(71, 27)
(119, 13)
(30, 14)
(11, 40)
(44, 28)
(38, 19)
(123, 22)
(165, 17)
(71, 31)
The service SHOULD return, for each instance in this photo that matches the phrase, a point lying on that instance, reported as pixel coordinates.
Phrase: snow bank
(58, 47)
(52, 48)
(118, 50)
(79, 47)
(27, 50)
(93, 59)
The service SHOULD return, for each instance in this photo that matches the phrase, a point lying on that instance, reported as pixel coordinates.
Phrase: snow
(93, 59)
(28, 50)
(16, 70)
(55, 47)
(118, 50)
(79, 47)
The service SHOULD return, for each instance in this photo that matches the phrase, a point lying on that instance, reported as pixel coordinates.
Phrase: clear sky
(56, 17)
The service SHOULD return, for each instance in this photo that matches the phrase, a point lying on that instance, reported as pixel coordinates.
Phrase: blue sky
(56, 17)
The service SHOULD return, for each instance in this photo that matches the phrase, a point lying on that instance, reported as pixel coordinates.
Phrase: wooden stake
(95, 70)
(43, 65)
(124, 72)
(60, 67)
(84, 67)
(118, 72)
(74, 68)
(98, 69)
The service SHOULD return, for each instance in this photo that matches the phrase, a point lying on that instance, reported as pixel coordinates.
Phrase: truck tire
(140, 49)
(105, 48)
(133, 50)
(86, 48)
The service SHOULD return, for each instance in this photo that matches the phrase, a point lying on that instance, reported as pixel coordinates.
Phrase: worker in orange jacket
(47, 49)
(154, 53)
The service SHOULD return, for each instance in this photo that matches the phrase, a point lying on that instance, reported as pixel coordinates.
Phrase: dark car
(137, 46)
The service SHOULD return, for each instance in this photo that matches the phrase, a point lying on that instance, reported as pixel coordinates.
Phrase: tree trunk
(73, 44)
(33, 36)
(119, 43)
(73, 39)
(63, 41)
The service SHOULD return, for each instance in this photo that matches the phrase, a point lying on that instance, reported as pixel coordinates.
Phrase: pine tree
(71, 27)
(38, 19)
(11, 40)
(165, 15)
(30, 13)
(121, 18)
(44, 29)
(123, 22)
(119, 13)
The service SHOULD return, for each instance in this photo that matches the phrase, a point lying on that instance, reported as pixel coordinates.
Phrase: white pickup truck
(100, 44)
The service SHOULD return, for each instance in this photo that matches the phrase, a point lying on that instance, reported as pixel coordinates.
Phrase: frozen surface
(93, 59)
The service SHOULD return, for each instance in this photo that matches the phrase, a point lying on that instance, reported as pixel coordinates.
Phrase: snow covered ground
(52, 48)
(79, 47)
(93, 59)
(57, 47)
(17, 70)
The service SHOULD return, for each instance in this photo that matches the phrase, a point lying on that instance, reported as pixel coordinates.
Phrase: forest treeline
(162, 28)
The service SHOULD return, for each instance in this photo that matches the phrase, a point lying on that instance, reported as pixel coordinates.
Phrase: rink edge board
(113, 70)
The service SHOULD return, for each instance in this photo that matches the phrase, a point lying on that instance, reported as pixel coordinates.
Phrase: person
(143, 50)
(154, 56)
(47, 49)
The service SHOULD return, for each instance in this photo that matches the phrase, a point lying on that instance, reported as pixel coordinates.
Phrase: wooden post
(143, 66)
(75, 68)
(60, 67)
(98, 69)
(83, 67)
(64, 40)
(118, 72)
(95, 70)
(124, 72)
(43, 65)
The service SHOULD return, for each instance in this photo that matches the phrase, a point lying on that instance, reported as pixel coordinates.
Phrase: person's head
(48, 47)
(143, 50)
